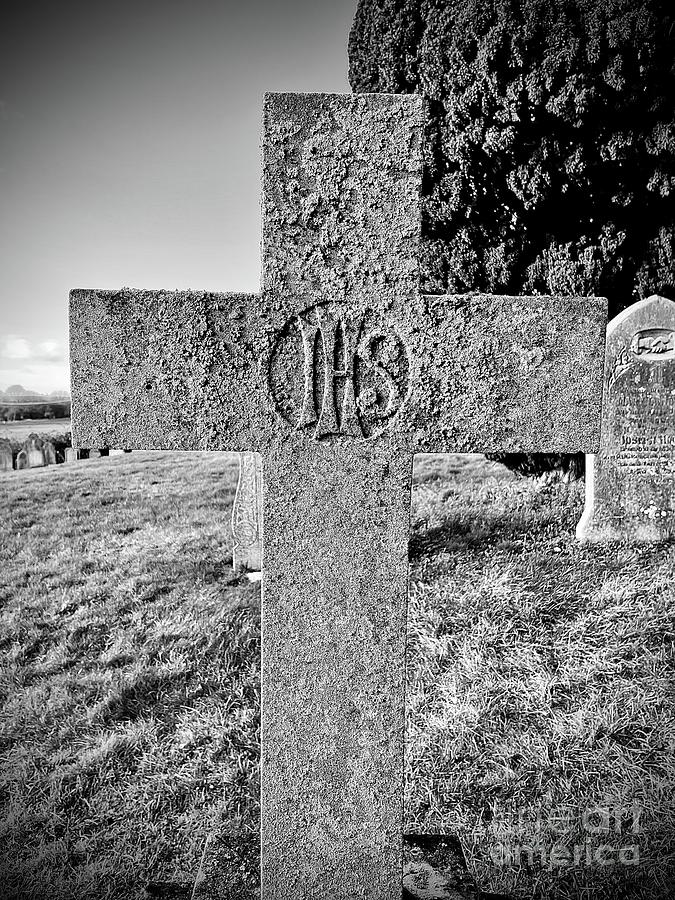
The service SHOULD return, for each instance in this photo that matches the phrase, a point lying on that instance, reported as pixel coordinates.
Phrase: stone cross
(630, 483)
(337, 374)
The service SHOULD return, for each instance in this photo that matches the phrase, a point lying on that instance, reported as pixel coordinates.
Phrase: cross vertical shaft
(333, 673)
(341, 223)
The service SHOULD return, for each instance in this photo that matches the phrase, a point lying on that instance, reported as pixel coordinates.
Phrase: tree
(550, 144)
(550, 152)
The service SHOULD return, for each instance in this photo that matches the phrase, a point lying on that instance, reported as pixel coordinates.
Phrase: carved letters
(351, 374)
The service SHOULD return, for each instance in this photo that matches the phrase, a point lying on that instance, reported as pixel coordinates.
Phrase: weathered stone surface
(34, 447)
(71, 454)
(22, 460)
(247, 514)
(188, 380)
(49, 453)
(630, 483)
(461, 387)
(116, 452)
(336, 527)
(6, 456)
(94, 454)
(337, 375)
(341, 184)
(503, 372)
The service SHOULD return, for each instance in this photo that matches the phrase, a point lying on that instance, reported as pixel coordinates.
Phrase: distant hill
(16, 393)
(16, 402)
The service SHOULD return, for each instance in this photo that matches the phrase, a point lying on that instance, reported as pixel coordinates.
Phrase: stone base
(434, 868)
(599, 524)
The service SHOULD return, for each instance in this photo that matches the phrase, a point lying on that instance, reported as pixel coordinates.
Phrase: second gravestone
(34, 448)
(337, 375)
(6, 456)
(630, 483)
(247, 515)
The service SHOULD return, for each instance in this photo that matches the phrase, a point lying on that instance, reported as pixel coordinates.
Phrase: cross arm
(501, 373)
(166, 370)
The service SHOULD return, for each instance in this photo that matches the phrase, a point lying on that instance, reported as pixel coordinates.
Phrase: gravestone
(34, 447)
(116, 452)
(71, 455)
(630, 483)
(94, 454)
(337, 375)
(49, 453)
(247, 515)
(6, 456)
(22, 460)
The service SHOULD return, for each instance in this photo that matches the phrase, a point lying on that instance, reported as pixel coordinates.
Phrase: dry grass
(129, 680)
(540, 676)
(20, 429)
(540, 686)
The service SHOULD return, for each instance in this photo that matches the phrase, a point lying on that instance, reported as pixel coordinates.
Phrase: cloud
(36, 365)
(15, 347)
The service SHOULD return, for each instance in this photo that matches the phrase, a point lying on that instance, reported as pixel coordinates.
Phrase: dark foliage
(550, 164)
(55, 409)
(550, 145)
(570, 464)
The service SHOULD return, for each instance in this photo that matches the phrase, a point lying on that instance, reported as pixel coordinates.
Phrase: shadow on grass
(139, 698)
(461, 532)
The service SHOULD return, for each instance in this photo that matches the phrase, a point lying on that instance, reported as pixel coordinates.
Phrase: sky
(130, 150)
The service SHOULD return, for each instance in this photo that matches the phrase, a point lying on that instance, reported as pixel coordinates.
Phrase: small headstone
(22, 460)
(630, 483)
(34, 447)
(94, 454)
(71, 455)
(6, 460)
(247, 515)
(49, 453)
(116, 452)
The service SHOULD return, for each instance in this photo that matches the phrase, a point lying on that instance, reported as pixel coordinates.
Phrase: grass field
(20, 429)
(541, 692)
(540, 681)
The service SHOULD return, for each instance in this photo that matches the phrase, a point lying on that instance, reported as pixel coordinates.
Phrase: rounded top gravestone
(34, 447)
(630, 483)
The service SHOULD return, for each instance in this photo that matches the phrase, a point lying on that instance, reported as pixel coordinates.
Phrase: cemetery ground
(21, 428)
(541, 702)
